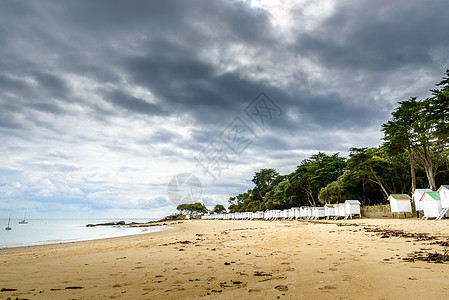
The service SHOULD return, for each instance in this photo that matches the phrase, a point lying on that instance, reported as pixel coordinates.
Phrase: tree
(361, 165)
(313, 174)
(184, 208)
(276, 198)
(192, 209)
(219, 209)
(240, 202)
(422, 127)
(263, 181)
(398, 132)
(334, 192)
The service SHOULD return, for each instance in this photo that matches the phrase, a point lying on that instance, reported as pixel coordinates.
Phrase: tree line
(198, 208)
(414, 153)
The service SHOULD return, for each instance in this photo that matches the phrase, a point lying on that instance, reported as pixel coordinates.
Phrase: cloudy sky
(104, 103)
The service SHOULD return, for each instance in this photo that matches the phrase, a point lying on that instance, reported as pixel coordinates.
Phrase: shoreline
(62, 245)
(237, 259)
(144, 228)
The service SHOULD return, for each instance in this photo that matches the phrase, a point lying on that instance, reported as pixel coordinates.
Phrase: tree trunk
(412, 169)
(425, 157)
(379, 182)
(431, 178)
(310, 198)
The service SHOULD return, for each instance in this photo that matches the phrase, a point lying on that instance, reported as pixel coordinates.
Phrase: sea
(42, 232)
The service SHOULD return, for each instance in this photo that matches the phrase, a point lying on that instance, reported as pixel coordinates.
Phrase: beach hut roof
(400, 196)
(353, 201)
(434, 195)
(444, 186)
(422, 191)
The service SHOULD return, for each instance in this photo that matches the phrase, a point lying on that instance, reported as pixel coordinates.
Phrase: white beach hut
(417, 195)
(274, 214)
(309, 213)
(444, 196)
(286, 214)
(400, 203)
(258, 215)
(279, 214)
(294, 212)
(329, 211)
(267, 214)
(318, 212)
(352, 208)
(303, 212)
(431, 204)
(341, 210)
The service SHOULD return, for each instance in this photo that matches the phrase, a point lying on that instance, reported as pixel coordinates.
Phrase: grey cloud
(133, 104)
(52, 85)
(379, 36)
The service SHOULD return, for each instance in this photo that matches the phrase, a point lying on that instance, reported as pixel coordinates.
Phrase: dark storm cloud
(169, 38)
(91, 39)
(52, 85)
(133, 104)
(379, 36)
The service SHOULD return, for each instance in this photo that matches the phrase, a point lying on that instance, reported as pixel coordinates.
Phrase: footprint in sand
(282, 288)
(328, 288)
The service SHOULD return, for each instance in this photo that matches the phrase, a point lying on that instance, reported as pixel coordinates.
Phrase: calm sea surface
(40, 232)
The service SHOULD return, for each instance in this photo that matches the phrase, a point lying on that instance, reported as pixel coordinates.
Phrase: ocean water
(41, 232)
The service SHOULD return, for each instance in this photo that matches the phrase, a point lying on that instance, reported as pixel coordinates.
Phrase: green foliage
(364, 165)
(219, 209)
(334, 192)
(192, 209)
(422, 127)
(274, 191)
(313, 174)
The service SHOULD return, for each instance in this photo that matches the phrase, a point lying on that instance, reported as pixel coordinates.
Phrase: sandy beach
(239, 260)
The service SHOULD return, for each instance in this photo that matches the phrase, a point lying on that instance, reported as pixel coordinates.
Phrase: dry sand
(236, 260)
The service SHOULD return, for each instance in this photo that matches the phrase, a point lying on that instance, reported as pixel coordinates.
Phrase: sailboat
(9, 222)
(24, 219)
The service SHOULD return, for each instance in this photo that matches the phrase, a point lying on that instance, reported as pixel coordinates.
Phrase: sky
(125, 108)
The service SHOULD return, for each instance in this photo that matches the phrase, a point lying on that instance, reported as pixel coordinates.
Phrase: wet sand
(238, 260)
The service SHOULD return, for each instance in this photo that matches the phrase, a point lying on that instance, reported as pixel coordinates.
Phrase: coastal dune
(353, 259)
